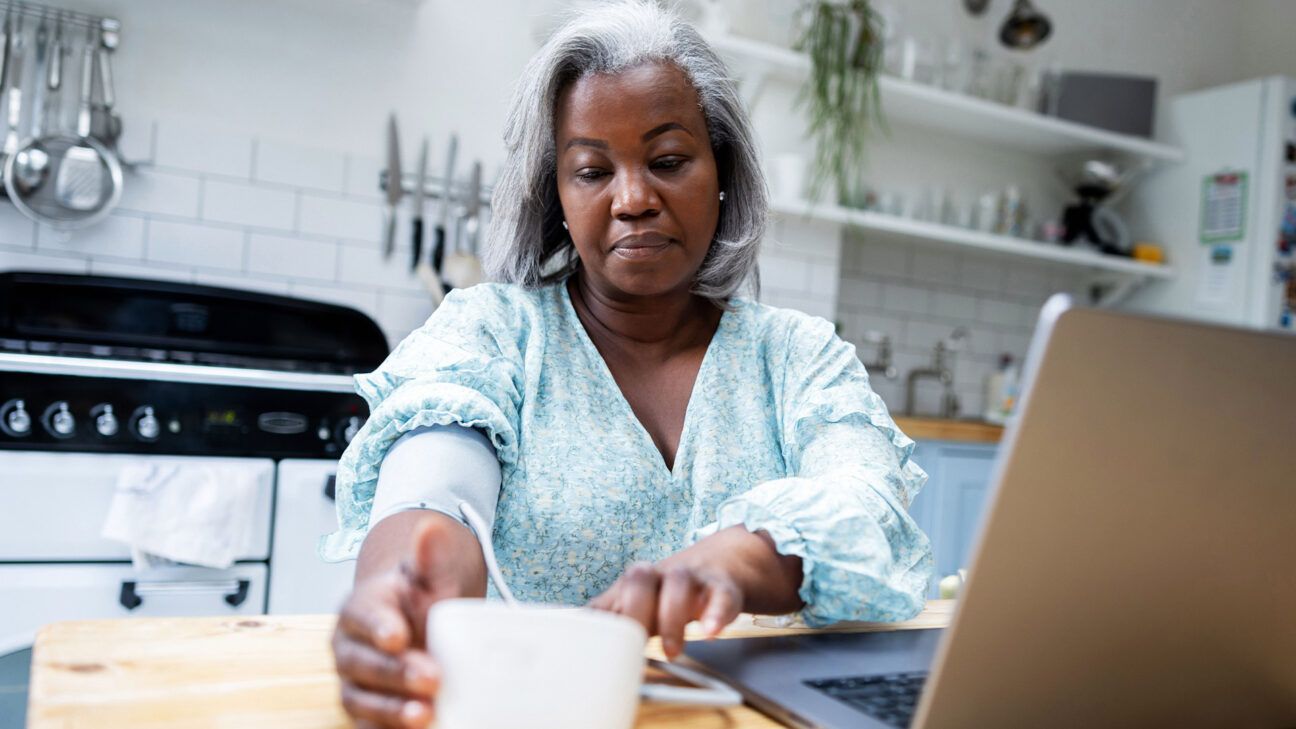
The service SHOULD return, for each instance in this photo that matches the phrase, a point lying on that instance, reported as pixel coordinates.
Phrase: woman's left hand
(712, 581)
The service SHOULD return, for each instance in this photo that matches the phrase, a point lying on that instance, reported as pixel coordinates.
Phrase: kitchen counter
(264, 671)
(968, 431)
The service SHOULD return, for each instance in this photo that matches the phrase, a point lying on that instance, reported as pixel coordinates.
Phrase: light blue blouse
(782, 434)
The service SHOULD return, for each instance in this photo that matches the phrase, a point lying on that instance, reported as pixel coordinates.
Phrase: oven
(101, 374)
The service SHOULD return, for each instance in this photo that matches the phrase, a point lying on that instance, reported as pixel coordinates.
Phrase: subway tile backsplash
(227, 209)
(919, 296)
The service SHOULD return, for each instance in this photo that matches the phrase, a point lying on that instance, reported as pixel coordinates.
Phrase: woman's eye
(669, 163)
(590, 175)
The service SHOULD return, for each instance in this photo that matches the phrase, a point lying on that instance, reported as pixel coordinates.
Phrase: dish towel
(198, 514)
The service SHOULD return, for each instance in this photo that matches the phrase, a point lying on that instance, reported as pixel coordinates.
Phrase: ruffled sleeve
(464, 367)
(844, 507)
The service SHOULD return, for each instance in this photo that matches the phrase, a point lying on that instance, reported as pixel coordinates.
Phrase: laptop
(1136, 566)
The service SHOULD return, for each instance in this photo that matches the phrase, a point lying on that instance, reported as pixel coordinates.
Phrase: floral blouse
(782, 434)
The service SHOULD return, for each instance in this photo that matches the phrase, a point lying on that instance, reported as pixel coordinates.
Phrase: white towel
(197, 514)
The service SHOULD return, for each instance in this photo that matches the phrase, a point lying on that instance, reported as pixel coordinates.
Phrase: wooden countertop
(969, 431)
(262, 671)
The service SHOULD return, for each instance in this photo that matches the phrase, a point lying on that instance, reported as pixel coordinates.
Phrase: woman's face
(637, 179)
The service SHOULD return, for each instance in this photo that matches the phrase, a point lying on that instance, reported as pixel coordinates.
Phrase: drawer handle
(132, 592)
(330, 487)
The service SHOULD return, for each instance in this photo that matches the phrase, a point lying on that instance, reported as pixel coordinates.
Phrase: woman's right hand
(380, 647)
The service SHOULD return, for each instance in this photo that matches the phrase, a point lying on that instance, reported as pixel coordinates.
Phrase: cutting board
(264, 671)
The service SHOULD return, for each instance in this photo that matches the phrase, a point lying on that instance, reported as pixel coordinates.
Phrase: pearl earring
(722, 196)
(565, 225)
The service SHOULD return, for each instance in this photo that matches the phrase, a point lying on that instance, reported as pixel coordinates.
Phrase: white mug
(505, 667)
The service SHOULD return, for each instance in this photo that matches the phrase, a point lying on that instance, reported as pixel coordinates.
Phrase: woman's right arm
(408, 561)
(415, 555)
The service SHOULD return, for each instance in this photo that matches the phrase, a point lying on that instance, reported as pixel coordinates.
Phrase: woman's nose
(634, 196)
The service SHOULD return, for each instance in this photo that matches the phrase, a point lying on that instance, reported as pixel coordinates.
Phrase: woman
(644, 440)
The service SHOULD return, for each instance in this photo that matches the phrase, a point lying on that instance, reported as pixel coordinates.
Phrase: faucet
(883, 361)
(942, 371)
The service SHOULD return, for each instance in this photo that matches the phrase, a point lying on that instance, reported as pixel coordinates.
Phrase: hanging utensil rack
(72, 17)
(434, 187)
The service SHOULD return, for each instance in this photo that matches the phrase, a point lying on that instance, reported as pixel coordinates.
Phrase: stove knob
(59, 420)
(16, 420)
(145, 424)
(352, 427)
(105, 421)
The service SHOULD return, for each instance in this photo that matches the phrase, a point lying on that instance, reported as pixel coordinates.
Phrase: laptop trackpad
(780, 674)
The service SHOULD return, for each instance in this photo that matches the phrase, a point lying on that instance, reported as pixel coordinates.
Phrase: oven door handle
(132, 593)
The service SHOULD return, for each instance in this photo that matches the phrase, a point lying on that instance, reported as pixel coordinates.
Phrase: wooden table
(266, 671)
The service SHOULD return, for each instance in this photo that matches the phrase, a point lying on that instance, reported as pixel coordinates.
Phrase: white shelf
(951, 236)
(966, 116)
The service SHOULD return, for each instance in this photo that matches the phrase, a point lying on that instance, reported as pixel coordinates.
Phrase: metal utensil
(79, 184)
(420, 195)
(111, 126)
(394, 187)
(1025, 27)
(976, 7)
(13, 94)
(100, 182)
(33, 161)
(462, 269)
(422, 268)
(447, 193)
(6, 36)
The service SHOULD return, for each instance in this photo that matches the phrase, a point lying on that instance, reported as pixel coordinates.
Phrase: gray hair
(526, 243)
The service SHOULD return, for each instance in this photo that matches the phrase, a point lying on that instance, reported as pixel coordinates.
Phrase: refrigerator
(1226, 215)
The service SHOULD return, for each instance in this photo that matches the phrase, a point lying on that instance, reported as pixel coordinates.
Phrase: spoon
(31, 167)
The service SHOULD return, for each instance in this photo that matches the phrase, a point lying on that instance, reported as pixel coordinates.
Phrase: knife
(447, 193)
(474, 209)
(419, 196)
(394, 191)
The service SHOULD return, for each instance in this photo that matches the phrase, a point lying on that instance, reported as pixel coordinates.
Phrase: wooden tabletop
(967, 431)
(264, 671)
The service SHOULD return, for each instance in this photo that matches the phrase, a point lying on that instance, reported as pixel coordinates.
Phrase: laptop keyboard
(892, 697)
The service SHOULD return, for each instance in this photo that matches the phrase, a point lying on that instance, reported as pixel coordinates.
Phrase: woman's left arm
(833, 538)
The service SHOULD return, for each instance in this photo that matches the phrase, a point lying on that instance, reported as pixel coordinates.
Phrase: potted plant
(844, 41)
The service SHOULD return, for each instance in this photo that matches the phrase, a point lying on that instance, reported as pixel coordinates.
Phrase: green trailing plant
(844, 41)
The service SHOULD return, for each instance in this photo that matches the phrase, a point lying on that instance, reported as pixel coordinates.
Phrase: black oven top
(104, 364)
(162, 321)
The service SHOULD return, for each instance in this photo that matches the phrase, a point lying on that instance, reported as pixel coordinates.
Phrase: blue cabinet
(950, 507)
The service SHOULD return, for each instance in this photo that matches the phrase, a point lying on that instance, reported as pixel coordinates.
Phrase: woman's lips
(639, 247)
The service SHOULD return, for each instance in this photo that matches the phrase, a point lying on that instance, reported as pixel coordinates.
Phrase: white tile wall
(185, 145)
(294, 165)
(117, 236)
(306, 259)
(225, 209)
(239, 203)
(165, 193)
(918, 296)
(193, 244)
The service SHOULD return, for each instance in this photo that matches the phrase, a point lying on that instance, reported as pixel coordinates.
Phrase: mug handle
(715, 694)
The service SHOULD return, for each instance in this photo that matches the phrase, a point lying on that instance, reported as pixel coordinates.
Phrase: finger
(637, 597)
(723, 603)
(412, 674)
(385, 710)
(373, 615)
(604, 600)
(676, 607)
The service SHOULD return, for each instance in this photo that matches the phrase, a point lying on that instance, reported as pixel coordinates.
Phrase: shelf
(933, 108)
(951, 236)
